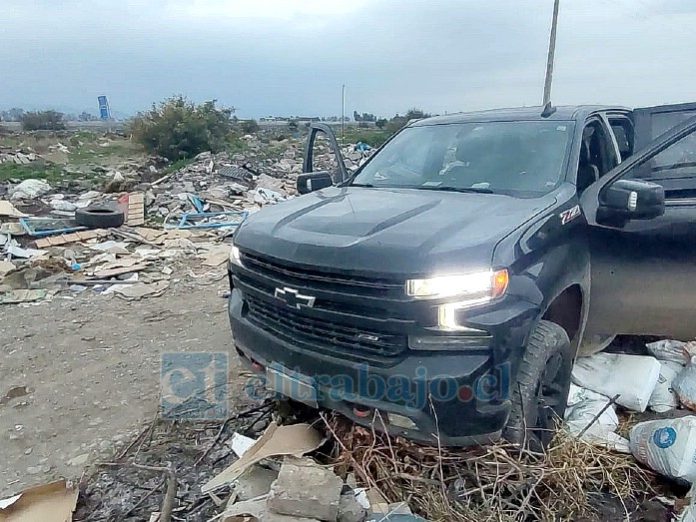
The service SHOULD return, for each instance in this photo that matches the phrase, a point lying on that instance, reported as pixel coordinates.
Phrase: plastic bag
(632, 377)
(663, 397)
(671, 350)
(685, 386)
(583, 406)
(668, 446)
(30, 189)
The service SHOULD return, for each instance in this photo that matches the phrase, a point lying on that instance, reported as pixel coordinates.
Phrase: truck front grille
(292, 326)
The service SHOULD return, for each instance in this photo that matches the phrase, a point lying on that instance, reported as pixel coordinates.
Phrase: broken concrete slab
(216, 255)
(305, 489)
(140, 290)
(237, 512)
(350, 509)
(255, 482)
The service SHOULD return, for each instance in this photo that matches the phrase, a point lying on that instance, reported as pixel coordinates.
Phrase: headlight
(235, 256)
(474, 288)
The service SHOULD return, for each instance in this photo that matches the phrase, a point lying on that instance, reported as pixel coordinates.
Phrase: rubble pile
(171, 221)
(19, 157)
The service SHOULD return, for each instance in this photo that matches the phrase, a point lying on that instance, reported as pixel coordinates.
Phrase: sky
(291, 57)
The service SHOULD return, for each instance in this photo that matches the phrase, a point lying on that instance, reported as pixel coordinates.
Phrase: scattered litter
(133, 206)
(217, 255)
(6, 266)
(591, 417)
(668, 446)
(30, 189)
(295, 440)
(240, 444)
(684, 385)
(7, 209)
(13, 248)
(140, 290)
(632, 377)
(664, 397)
(53, 502)
(672, 350)
(23, 296)
(40, 227)
(191, 220)
(65, 239)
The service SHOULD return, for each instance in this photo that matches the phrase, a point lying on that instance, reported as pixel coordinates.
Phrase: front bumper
(451, 398)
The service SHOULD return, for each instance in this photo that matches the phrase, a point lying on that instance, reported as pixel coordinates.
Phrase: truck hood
(388, 231)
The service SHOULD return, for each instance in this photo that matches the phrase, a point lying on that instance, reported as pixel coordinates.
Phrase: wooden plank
(74, 237)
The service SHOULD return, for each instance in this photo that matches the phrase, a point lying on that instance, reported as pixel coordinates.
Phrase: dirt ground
(92, 368)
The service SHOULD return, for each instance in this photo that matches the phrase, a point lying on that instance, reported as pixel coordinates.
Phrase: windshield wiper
(367, 185)
(477, 190)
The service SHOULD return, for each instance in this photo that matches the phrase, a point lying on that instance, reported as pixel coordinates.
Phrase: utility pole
(343, 112)
(546, 103)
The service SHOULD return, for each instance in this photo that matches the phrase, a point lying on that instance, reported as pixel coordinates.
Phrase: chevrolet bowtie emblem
(294, 298)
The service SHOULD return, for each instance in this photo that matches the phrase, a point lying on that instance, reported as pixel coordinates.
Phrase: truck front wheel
(540, 393)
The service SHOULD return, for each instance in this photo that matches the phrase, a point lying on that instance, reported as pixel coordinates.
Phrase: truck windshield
(521, 159)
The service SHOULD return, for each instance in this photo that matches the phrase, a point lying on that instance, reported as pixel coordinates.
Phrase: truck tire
(539, 396)
(96, 216)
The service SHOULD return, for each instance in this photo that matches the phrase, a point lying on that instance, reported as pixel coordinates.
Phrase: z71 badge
(569, 215)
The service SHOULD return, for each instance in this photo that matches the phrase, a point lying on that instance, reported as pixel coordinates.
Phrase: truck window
(623, 132)
(521, 159)
(597, 156)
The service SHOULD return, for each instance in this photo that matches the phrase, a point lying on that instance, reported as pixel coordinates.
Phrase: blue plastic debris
(41, 227)
(210, 220)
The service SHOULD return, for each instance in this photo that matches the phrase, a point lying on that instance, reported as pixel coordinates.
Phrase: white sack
(633, 377)
(668, 446)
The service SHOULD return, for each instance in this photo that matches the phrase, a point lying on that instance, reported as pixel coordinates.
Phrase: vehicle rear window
(677, 162)
(522, 159)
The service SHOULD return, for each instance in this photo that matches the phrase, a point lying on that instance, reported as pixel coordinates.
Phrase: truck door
(642, 231)
(323, 154)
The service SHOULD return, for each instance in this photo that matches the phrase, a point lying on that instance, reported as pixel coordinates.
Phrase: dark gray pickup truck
(443, 290)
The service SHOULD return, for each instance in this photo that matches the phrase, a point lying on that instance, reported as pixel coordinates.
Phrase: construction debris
(175, 222)
(305, 489)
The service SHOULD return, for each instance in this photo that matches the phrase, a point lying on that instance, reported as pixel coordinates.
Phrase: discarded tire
(99, 217)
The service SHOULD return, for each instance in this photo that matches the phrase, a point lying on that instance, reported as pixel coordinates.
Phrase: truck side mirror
(311, 181)
(627, 199)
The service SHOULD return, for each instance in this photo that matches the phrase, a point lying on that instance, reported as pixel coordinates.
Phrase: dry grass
(494, 483)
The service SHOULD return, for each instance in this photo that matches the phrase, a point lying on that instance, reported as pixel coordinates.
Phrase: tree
(380, 123)
(416, 114)
(250, 126)
(14, 114)
(86, 116)
(42, 120)
(178, 128)
(399, 121)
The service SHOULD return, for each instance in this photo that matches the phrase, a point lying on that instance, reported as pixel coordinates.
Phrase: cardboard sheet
(53, 502)
(295, 440)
